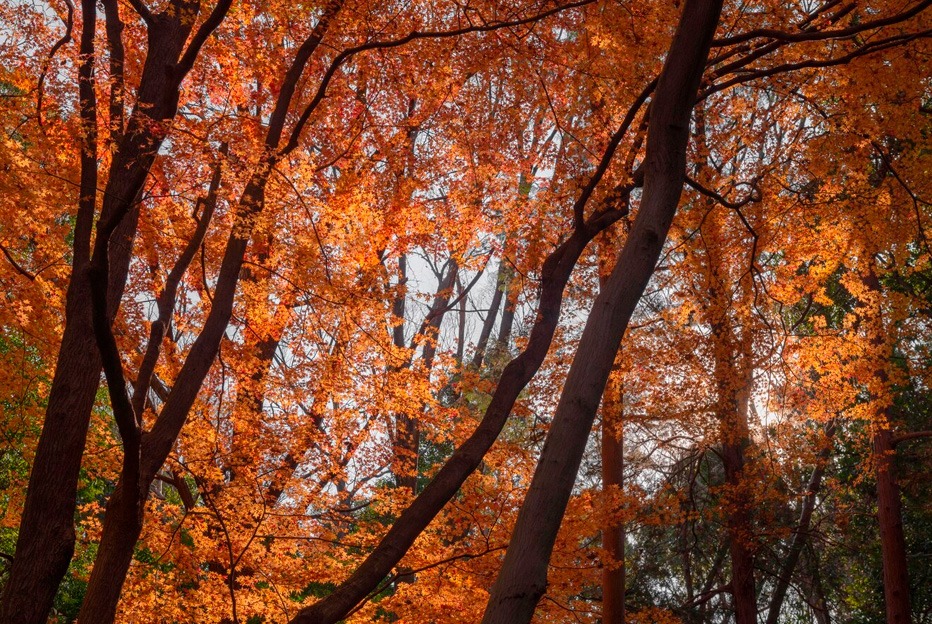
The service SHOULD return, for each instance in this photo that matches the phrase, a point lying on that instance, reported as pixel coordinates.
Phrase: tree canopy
(443, 311)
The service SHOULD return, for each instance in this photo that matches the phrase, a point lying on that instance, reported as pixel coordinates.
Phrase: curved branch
(841, 33)
(348, 53)
(69, 25)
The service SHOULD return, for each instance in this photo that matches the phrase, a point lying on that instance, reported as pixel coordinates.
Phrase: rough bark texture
(523, 578)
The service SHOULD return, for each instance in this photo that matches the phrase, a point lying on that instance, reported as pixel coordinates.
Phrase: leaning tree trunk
(523, 577)
(801, 532)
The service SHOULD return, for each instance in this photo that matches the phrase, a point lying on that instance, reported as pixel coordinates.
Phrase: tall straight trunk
(889, 512)
(613, 533)
(46, 538)
(461, 324)
(508, 313)
(612, 451)
(740, 550)
(491, 316)
(734, 389)
(890, 519)
(523, 577)
(733, 377)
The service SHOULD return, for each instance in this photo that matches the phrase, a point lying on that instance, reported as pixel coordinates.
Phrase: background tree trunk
(613, 534)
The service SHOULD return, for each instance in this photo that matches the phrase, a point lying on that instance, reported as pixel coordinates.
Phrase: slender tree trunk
(801, 532)
(735, 391)
(890, 519)
(508, 313)
(461, 324)
(491, 316)
(889, 512)
(613, 534)
(733, 375)
(739, 547)
(523, 578)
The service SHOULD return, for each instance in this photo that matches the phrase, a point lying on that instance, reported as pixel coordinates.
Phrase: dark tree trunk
(508, 313)
(801, 532)
(734, 397)
(555, 274)
(124, 516)
(613, 534)
(46, 539)
(739, 547)
(523, 578)
(890, 519)
(491, 316)
(889, 512)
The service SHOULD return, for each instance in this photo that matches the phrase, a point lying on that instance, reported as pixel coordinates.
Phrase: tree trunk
(613, 534)
(523, 577)
(46, 539)
(123, 524)
(555, 274)
(491, 316)
(734, 397)
(889, 513)
(890, 519)
(801, 532)
(739, 548)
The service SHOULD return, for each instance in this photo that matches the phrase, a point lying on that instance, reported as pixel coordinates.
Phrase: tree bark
(890, 519)
(613, 534)
(889, 512)
(523, 578)
(739, 547)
